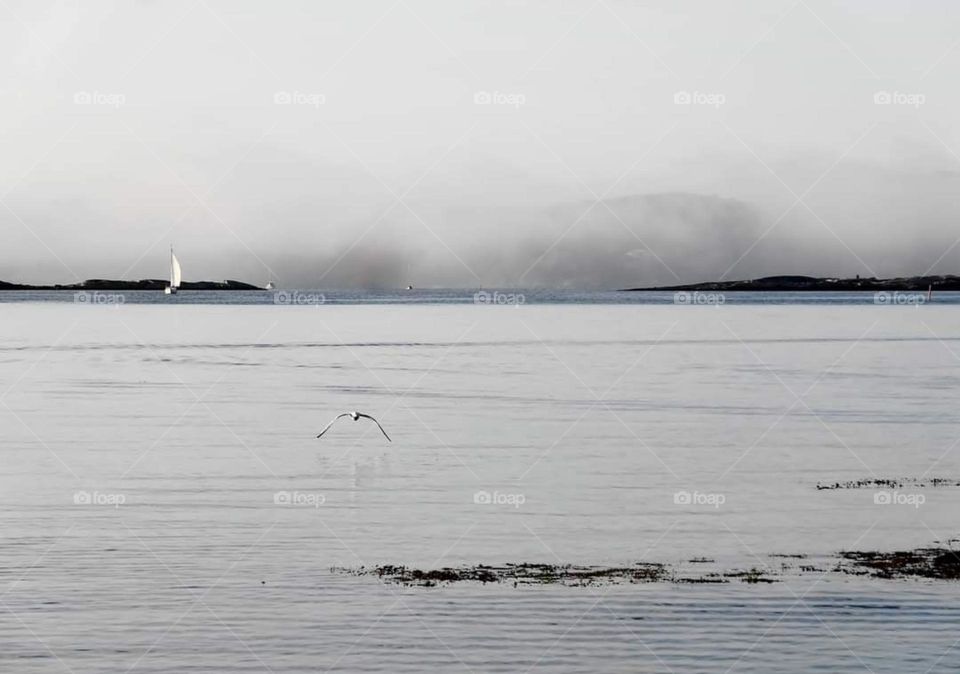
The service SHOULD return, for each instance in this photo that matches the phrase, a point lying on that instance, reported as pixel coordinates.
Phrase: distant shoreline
(814, 284)
(143, 284)
(765, 284)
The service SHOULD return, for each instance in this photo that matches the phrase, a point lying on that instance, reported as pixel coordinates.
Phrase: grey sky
(279, 136)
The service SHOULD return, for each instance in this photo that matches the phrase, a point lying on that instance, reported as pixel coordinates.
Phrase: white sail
(174, 271)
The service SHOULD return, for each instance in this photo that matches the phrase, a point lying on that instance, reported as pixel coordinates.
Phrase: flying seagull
(356, 417)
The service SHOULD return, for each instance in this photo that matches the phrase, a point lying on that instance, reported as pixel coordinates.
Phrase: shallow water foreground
(166, 507)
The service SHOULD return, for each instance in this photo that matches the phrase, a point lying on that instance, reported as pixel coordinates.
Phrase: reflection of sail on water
(174, 270)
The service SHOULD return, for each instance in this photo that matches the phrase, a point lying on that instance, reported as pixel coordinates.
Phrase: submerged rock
(936, 563)
(890, 483)
(518, 574)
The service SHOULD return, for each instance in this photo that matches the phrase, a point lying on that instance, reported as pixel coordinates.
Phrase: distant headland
(143, 284)
(813, 284)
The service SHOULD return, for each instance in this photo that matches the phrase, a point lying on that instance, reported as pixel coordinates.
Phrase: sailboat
(174, 275)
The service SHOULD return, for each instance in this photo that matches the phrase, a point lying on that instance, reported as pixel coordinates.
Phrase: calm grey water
(491, 296)
(145, 448)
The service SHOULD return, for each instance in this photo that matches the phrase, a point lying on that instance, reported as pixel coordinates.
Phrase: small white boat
(269, 286)
(174, 275)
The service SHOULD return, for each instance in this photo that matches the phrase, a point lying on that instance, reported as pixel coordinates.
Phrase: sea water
(167, 507)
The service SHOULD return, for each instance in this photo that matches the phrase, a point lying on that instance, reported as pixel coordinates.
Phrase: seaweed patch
(890, 483)
(518, 574)
(935, 563)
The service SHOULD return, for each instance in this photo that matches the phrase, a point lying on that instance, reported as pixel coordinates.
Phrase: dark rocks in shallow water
(809, 568)
(860, 484)
(750, 576)
(947, 565)
(936, 563)
(520, 574)
(708, 579)
(887, 483)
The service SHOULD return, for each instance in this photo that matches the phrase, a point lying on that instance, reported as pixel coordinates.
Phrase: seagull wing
(367, 416)
(339, 416)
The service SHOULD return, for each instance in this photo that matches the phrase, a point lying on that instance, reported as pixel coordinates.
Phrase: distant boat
(409, 287)
(269, 286)
(174, 275)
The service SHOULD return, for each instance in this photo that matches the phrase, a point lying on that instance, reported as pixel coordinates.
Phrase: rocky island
(143, 284)
(814, 284)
